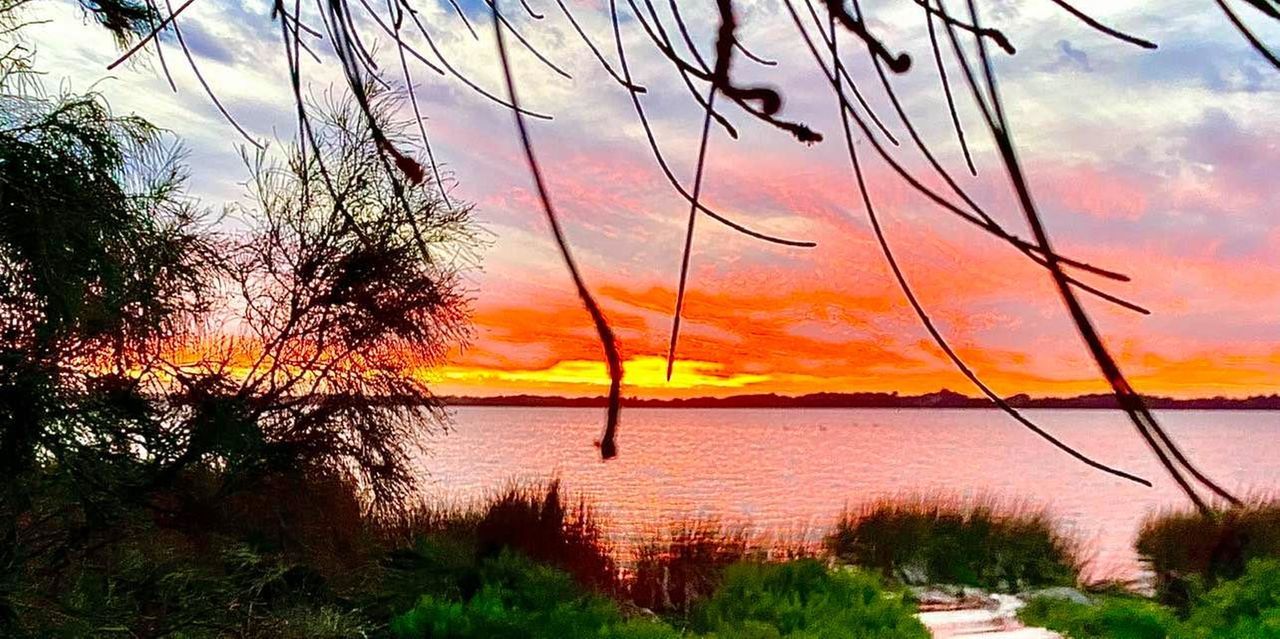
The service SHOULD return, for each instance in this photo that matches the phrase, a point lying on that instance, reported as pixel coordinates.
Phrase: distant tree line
(941, 399)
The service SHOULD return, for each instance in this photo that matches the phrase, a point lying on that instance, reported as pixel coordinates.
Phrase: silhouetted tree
(101, 260)
(150, 359)
(344, 291)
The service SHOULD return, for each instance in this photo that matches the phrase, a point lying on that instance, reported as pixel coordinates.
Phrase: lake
(790, 470)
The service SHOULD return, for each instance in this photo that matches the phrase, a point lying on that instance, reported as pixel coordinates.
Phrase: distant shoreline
(941, 399)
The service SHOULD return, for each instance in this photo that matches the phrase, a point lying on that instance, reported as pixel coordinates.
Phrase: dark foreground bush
(804, 599)
(441, 552)
(983, 543)
(537, 521)
(155, 586)
(1188, 552)
(1245, 608)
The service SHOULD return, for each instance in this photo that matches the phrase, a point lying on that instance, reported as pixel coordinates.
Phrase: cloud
(1070, 58)
(204, 44)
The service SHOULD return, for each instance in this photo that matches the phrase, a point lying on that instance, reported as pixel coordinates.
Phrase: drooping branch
(608, 441)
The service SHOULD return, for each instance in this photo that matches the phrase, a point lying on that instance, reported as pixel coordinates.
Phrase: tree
(345, 291)
(151, 359)
(101, 259)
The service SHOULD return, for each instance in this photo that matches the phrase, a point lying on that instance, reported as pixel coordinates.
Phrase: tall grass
(1188, 552)
(304, 552)
(538, 522)
(676, 569)
(981, 542)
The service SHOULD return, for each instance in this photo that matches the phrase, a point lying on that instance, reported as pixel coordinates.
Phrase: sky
(1159, 164)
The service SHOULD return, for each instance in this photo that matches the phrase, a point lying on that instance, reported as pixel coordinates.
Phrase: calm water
(786, 470)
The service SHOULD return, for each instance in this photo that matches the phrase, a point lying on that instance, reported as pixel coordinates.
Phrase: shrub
(520, 599)
(981, 543)
(1245, 608)
(307, 515)
(804, 599)
(672, 573)
(1112, 617)
(1188, 551)
(155, 586)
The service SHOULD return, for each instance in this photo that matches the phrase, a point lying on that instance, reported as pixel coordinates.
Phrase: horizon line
(942, 398)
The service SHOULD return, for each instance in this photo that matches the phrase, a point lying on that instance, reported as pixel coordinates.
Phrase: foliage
(1112, 617)
(939, 540)
(124, 19)
(197, 389)
(154, 585)
(1244, 608)
(1188, 551)
(440, 551)
(804, 599)
(536, 521)
(101, 259)
(520, 599)
(347, 286)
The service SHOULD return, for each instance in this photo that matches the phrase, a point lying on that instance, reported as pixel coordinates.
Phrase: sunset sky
(1163, 164)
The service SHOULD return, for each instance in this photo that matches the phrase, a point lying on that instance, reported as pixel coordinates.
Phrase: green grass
(301, 558)
(983, 543)
(672, 572)
(1248, 607)
(520, 599)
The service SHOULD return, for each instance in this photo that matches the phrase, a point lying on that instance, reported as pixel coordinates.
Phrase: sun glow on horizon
(644, 372)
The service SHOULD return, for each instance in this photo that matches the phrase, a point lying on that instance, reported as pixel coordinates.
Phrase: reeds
(981, 542)
(673, 570)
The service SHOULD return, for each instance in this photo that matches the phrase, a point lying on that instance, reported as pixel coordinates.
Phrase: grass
(1188, 552)
(1244, 607)
(517, 599)
(673, 571)
(983, 543)
(537, 521)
